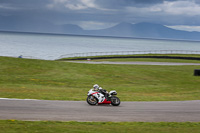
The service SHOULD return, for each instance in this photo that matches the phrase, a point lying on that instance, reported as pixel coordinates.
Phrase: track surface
(138, 63)
(176, 111)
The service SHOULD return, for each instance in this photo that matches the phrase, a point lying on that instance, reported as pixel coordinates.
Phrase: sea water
(51, 46)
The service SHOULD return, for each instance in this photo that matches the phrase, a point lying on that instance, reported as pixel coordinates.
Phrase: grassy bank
(14, 126)
(54, 80)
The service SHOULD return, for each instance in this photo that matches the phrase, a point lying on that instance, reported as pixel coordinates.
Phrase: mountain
(139, 30)
(71, 29)
(146, 30)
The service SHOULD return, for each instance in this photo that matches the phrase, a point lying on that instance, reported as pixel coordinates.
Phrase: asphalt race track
(170, 111)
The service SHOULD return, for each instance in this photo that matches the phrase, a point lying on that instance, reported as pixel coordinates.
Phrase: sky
(99, 14)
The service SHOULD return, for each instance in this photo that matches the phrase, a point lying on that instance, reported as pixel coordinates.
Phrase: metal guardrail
(129, 53)
(118, 53)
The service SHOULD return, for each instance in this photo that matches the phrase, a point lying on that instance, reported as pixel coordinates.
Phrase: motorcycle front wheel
(91, 100)
(115, 101)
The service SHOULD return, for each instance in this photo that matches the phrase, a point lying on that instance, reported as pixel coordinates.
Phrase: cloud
(90, 25)
(185, 27)
(190, 8)
(170, 7)
(7, 7)
(100, 13)
(179, 12)
(74, 5)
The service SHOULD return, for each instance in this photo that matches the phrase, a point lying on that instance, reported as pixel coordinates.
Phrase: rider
(101, 90)
(96, 87)
(104, 92)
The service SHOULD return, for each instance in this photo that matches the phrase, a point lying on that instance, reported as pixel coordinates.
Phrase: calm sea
(50, 47)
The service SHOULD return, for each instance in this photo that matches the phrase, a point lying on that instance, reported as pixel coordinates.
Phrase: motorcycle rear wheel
(91, 100)
(115, 101)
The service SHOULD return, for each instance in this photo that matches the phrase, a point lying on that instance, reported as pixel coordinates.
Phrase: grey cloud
(37, 13)
(116, 4)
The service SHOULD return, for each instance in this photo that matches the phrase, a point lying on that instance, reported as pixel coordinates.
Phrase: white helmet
(100, 88)
(96, 87)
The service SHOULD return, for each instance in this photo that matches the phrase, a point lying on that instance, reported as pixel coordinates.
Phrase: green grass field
(56, 80)
(10, 126)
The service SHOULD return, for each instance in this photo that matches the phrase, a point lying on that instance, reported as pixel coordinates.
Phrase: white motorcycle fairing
(101, 98)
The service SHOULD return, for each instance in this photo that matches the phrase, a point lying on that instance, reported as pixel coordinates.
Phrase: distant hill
(71, 29)
(146, 30)
(139, 30)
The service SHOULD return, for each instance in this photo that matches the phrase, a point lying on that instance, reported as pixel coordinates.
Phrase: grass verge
(15, 126)
(54, 80)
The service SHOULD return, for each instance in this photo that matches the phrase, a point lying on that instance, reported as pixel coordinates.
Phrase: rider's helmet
(96, 87)
(100, 88)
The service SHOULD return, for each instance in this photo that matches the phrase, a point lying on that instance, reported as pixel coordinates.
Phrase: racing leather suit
(104, 92)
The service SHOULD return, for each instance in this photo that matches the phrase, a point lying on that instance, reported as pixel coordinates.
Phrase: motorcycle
(95, 97)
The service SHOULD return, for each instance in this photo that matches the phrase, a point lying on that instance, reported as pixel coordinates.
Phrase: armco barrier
(129, 53)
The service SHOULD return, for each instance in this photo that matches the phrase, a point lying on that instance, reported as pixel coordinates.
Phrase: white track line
(17, 99)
